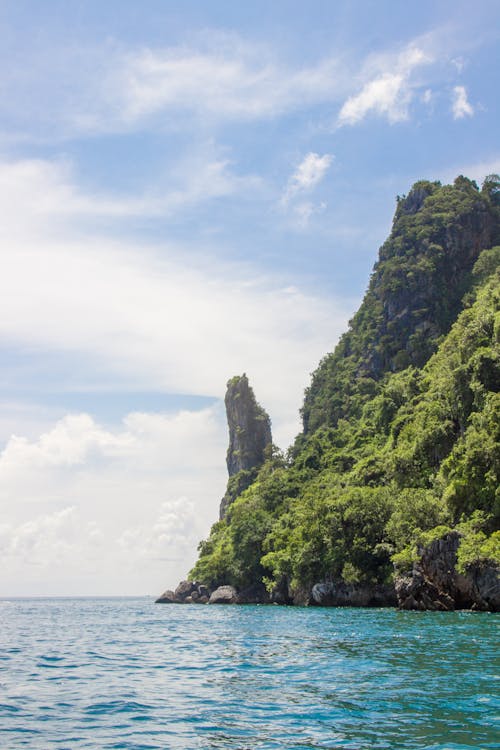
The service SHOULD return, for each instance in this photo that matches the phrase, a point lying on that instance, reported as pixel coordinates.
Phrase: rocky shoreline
(432, 584)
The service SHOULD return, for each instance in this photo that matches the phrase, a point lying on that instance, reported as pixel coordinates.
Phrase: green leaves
(399, 446)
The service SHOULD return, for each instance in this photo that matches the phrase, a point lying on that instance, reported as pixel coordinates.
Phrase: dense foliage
(402, 421)
(414, 295)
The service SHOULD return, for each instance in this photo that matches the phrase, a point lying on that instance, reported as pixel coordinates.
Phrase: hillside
(396, 473)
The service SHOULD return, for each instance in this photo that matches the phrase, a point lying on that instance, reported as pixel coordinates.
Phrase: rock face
(224, 595)
(192, 592)
(168, 597)
(414, 296)
(341, 594)
(249, 437)
(249, 440)
(435, 584)
(255, 594)
(187, 592)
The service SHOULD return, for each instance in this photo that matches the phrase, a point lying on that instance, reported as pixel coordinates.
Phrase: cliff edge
(250, 438)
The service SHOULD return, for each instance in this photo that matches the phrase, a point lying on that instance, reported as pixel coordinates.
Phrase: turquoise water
(124, 673)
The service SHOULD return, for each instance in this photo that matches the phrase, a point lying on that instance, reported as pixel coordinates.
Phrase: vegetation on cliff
(401, 440)
(250, 438)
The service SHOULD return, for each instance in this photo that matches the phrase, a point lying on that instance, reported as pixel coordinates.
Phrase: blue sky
(194, 190)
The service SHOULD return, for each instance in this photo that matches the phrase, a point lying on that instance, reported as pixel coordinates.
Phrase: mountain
(391, 492)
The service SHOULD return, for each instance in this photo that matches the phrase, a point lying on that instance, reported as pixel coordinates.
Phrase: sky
(193, 190)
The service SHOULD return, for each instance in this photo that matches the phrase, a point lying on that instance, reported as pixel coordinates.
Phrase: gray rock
(249, 438)
(184, 589)
(281, 593)
(341, 594)
(168, 597)
(485, 583)
(255, 594)
(224, 595)
(435, 584)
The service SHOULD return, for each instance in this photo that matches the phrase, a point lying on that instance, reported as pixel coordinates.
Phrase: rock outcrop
(224, 595)
(192, 592)
(401, 434)
(414, 295)
(341, 594)
(434, 582)
(187, 592)
(250, 441)
(249, 438)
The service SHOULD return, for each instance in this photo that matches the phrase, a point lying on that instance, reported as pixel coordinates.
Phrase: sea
(126, 673)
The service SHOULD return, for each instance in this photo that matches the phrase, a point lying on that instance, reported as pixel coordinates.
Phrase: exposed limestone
(435, 584)
(249, 438)
(224, 595)
(341, 594)
(255, 594)
(184, 589)
(187, 592)
(168, 597)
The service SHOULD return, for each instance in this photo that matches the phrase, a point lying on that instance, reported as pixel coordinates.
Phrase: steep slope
(250, 438)
(415, 293)
(401, 442)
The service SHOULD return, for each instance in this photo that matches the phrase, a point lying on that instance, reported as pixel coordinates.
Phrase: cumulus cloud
(158, 315)
(388, 92)
(461, 106)
(128, 515)
(102, 509)
(41, 539)
(215, 79)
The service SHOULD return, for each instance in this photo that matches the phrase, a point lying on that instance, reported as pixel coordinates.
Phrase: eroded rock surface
(435, 584)
(187, 592)
(249, 438)
(341, 594)
(224, 595)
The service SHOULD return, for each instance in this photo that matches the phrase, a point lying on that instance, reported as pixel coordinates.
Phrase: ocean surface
(126, 673)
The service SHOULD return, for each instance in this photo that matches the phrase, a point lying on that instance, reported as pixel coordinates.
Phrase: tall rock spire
(249, 437)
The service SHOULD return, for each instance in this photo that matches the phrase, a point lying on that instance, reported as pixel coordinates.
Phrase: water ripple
(123, 673)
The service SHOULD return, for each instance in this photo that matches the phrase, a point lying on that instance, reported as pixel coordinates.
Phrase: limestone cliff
(250, 438)
(436, 583)
(401, 435)
(414, 295)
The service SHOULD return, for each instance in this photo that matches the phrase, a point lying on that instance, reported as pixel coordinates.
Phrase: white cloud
(388, 92)
(461, 106)
(304, 210)
(160, 315)
(68, 444)
(47, 191)
(459, 63)
(214, 81)
(383, 95)
(308, 174)
(128, 515)
(93, 509)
